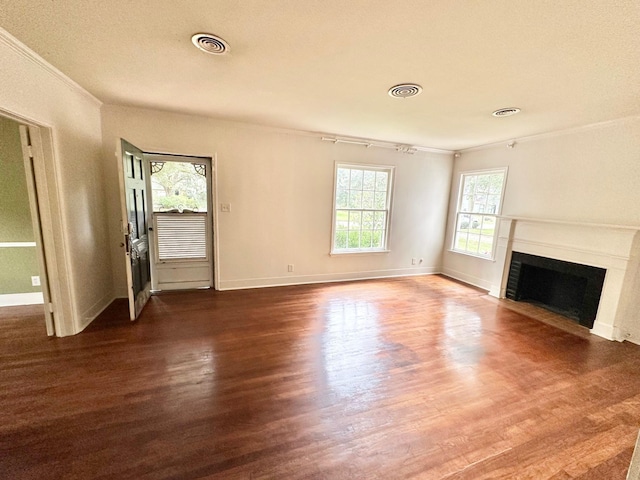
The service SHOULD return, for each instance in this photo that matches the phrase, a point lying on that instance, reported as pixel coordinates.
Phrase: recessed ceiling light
(405, 90)
(210, 43)
(506, 112)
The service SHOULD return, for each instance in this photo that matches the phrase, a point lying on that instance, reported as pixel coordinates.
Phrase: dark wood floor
(418, 378)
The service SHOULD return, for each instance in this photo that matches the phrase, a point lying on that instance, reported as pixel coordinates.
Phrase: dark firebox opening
(570, 289)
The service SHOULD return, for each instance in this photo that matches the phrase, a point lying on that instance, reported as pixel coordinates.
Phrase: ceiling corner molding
(317, 133)
(21, 49)
(434, 150)
(553, 133)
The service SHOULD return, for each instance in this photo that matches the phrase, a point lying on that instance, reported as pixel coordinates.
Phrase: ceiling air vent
(405, 90)
(505, 112)
(210, 43)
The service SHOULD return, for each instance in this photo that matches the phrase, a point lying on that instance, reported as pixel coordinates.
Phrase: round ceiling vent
(405, 90)
(505, 112)
(210, 43)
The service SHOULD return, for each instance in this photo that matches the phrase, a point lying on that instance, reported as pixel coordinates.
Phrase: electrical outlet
(225, 207)
(35, 281)
(413, 261)
(290, 267)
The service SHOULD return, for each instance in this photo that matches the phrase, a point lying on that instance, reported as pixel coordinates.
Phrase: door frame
(150, 157)
(214, 200)
(44, 203)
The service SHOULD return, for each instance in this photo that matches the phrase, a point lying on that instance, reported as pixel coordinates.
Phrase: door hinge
(30, 151)
(50, 307)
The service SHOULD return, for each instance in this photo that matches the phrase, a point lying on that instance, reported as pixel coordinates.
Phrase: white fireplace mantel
(612, 247)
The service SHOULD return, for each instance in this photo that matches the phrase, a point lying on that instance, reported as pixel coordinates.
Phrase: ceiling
(326, 65)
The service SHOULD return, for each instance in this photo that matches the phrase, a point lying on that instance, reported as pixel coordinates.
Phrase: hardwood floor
(420, 378)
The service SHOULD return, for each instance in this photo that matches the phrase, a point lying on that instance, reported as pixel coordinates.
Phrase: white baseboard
(633, 339)
(324, 278)
(606, 331)
(15, 299)
(463, 277)
(92, 313)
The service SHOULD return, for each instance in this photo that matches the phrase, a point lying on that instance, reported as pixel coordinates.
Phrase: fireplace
(570, 289)
(594, 249)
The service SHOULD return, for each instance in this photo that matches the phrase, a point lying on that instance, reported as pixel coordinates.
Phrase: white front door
(181, 222)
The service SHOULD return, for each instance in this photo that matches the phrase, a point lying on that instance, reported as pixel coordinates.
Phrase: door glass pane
(179, 187)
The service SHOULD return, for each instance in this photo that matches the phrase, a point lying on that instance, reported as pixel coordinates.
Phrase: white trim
(605, 331)
(481, 257)
(358, 252)
(185, 285)
(51, 219)
(283, 131)
(28, 143)
(391, 170)
(551, 134)
(213, 255)
(216, 228)
(20, 48)
(17, 244)
(598, 258)
(16, 299)
(487, 171)
(573, 224)
(95, 310)
(54, 232)
(325, 278)
(466, 278)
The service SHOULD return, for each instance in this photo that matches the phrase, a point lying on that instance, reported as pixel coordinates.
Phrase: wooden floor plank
(421, 378)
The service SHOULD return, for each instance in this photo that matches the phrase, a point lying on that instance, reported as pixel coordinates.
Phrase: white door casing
(181, 242)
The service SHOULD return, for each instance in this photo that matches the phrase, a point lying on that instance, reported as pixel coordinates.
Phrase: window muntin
(361, 208)
(479, 205)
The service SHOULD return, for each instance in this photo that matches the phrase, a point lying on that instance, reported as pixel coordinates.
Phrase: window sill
(357, 252)
(492, 258)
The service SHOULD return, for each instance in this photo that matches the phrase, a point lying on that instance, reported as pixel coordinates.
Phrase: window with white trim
(361, 207)
(479, 204)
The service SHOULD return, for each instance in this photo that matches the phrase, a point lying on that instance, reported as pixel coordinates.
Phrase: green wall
(17, 264)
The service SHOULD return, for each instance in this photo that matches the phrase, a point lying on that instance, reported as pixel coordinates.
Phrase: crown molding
(263, 127)
(555, 133)
(21, 49)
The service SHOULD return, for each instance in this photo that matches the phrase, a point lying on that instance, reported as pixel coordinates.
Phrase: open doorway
(168, 235)
(181, 223)
(24, 285)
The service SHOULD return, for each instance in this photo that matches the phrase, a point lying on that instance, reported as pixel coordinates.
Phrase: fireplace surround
(612, 248)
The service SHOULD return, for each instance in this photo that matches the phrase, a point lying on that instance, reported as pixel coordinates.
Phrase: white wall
(280, 187)
(588, 175)
(30, 89)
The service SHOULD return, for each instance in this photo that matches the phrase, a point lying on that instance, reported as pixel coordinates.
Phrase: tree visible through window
(179, 186)
(479, 205)
(361, 208)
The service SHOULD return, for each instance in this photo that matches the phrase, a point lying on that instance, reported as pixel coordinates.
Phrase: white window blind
(181, 235)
